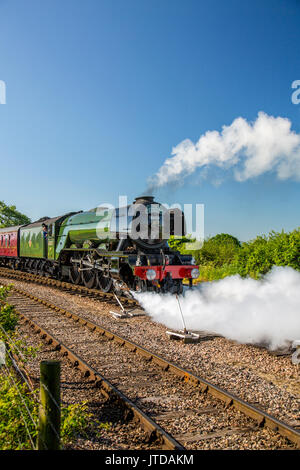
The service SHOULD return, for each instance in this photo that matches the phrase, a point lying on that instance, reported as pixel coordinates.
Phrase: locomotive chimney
(143, 200)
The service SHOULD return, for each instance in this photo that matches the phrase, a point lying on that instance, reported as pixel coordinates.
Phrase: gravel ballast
(251, 373)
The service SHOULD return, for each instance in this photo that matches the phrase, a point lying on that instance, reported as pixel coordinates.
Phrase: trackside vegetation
(19, 402)
(224, 255)
(10, 216)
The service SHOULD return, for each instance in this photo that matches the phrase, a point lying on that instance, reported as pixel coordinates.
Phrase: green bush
(75, 420)
(218, 250)
(15, 420)
(257, 257)
(8, 316)
(4, 292)
(213, 273)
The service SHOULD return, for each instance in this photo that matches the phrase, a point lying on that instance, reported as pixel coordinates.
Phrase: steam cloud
(251, 149)
(248, 311)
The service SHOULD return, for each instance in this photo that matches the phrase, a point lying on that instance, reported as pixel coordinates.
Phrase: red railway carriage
(9, 242)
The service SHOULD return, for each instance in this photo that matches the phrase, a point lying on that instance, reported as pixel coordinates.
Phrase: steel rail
(261, 417)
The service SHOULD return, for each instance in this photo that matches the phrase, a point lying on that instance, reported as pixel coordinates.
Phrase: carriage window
(1, 240)
(8, 240)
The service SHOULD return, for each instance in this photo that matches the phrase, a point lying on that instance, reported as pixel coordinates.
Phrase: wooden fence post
(49, 411)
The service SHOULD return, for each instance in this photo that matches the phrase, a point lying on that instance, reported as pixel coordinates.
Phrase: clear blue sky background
(99, 91)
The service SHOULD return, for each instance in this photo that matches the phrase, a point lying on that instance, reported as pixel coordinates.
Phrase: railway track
(180, 409)
(68, 287)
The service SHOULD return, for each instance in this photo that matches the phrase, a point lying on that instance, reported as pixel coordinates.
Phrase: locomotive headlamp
(151, 274)
(195, 273)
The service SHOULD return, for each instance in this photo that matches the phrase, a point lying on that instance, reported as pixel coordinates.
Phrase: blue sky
(98, 92)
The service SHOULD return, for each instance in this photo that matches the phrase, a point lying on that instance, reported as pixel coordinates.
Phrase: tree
(9, 216)
(218, 250)
(225, 238)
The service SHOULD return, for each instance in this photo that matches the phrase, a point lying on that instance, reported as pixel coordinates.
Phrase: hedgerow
(224, 254)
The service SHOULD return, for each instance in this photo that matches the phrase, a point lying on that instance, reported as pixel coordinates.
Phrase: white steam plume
(248, 311)
(267, 144)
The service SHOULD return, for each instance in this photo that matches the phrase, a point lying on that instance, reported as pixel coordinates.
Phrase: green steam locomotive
(105, 248)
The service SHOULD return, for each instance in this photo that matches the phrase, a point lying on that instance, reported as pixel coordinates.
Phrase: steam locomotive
(121, 250)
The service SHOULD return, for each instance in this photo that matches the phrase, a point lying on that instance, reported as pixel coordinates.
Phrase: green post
(49, 412)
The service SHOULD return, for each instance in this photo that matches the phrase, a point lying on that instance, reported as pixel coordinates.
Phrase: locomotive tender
(119, 249)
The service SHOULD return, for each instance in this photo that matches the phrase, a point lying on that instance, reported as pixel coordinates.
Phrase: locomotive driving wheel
(89, 278)
(104, 281)
(75, 274)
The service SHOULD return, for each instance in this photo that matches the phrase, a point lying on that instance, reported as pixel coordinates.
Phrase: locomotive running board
(185, 336)
(133, 312)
